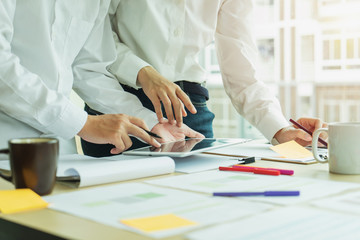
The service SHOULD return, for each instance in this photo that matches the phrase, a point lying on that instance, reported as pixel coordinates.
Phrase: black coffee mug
(33, 163)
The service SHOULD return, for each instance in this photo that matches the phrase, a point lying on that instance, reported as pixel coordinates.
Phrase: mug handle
(7, 178)
(314, 144)
(5, 151)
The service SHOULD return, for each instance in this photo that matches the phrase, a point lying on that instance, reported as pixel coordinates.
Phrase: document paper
(226, 181)
(347, 203)
(291, 223)
(115, 204)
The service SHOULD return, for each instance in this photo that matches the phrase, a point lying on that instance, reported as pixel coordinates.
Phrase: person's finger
(314, 123)
(297, 133)
(302, 142)
(199, 135)
(157, 107)
(140, 133)
(115, 151)
(311, 124)
(119, 146)
(184, 113)
(177, 108)
(158, 149)
(168, 108)
(193, 134)
(138, 122)
(155, 143)
(186, 100)
(127, 141)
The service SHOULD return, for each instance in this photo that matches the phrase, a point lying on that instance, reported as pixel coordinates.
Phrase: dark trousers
(200, 122)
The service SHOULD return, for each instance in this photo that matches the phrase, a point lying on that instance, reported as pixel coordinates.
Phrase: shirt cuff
(274, 141)
(69, 124)
(271, 124)
(127, 72)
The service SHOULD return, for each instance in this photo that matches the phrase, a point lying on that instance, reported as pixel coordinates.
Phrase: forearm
(237, 54)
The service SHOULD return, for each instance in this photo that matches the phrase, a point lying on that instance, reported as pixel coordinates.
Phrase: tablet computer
(186, 147)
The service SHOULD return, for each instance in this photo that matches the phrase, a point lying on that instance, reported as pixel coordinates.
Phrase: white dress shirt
(48, 47)
(169, 34)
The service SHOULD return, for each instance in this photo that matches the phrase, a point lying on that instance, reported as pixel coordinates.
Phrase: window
(350, 48)
(309, 54)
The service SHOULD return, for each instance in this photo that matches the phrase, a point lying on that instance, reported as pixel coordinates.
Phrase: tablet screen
(186, 147)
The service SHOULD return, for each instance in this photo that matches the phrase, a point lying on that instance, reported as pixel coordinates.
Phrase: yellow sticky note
(18, 200)
(157, 223)
(292, 150)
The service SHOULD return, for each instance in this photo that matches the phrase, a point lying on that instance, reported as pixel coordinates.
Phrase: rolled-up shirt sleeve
(25, 96)
(236, 51)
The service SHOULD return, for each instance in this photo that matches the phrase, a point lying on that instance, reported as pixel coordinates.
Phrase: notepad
(292, 149)
(158, 223)
(18, 200)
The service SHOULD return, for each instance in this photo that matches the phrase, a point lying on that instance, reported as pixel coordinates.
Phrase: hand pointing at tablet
(171, 132)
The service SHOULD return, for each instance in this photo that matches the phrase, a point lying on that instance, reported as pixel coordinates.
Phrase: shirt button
(177, 32)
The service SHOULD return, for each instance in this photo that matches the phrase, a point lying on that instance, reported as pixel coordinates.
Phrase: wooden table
(50, 224)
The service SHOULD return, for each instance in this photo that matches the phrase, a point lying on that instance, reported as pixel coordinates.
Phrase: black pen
(246, 160)
(152, 134)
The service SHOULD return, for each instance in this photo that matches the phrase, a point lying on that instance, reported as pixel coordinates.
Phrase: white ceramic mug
(343, 147)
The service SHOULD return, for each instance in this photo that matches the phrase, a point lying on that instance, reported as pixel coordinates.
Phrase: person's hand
(179, 146)
(293, 133)
(115, 129)
(158, 89)
(170, 132)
